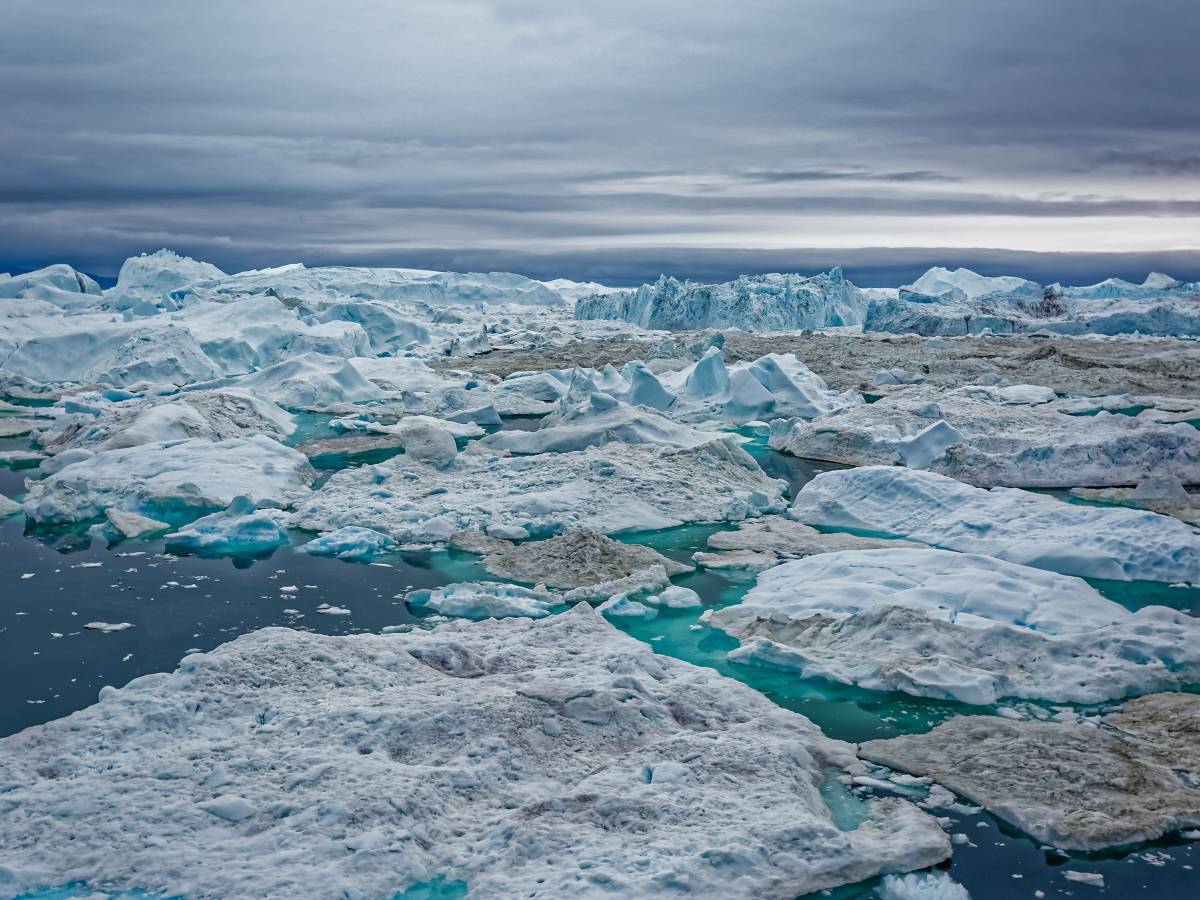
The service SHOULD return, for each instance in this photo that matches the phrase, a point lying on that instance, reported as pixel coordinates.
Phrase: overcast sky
(611, 139)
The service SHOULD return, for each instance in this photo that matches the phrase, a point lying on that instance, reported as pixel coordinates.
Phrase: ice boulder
(174, 480)
(1007, 523)
(752, 303)
(957, 626)
(58, 284)
(514, 748)
(242, 528)
(1130, 777)
(612, 489)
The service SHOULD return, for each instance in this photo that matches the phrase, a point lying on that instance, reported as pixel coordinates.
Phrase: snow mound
(171, 480)
(958, 626)
(521, 756)
(996, 436)
(1007, 523)
(752, 303)
(611, 489)
(1074, 786)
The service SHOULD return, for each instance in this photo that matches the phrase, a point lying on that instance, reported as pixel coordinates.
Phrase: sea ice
(554, 756)
(485, 600)
(350, 542)
(1008, 523)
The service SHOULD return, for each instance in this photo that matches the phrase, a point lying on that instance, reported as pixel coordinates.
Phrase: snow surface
(1007, 523)
(612, 489)
(554, 757)
(958, 626)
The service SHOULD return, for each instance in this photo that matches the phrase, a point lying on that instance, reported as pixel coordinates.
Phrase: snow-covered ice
(1008, 523)
(555, 756)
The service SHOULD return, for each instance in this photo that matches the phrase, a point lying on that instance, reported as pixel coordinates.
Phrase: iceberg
(503, 751)
(311, 380)
(171, 479)
(350, 542)
(996, 436)
(958, 626)
(1127, 778)
(752, 303)
(1008, 523)
(761, 542)
(612, 489)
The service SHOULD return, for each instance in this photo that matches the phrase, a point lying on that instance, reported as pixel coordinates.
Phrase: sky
(1056, 139)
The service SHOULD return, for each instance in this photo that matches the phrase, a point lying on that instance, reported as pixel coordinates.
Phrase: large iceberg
(1008, 523)
(958, 626)
(751, 303)
(1128, 778)
(978, 435)
(174, 478)
(556, 757)
(611, 489)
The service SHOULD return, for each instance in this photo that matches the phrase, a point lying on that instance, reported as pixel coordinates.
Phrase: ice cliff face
(751, 303)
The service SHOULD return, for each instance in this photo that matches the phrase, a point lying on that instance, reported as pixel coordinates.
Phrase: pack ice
(1019, 526)
(523, 757)
(957, 626)
(986, 436)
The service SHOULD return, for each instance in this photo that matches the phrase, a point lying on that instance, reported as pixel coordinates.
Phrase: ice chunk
(1007, 523)
(241, 528)
(515, 748)
(933, 885)
(975, 435)
(958, 626)
(179, 477)
(485, 600)
(132, 525)
(1074, 786)
(578, 559)
(612, 489)
(350, 542)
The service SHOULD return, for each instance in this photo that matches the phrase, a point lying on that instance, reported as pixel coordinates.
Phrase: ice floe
(1127, 778)
(496, 752)
(958, 626)
(241, 528)
(1008, 523)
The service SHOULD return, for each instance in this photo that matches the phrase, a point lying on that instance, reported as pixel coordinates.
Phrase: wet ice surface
(179, 603)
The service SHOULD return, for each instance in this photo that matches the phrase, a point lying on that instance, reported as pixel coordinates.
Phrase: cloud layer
(626, 136)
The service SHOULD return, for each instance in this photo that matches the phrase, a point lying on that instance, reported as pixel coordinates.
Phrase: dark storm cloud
(599, 138)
